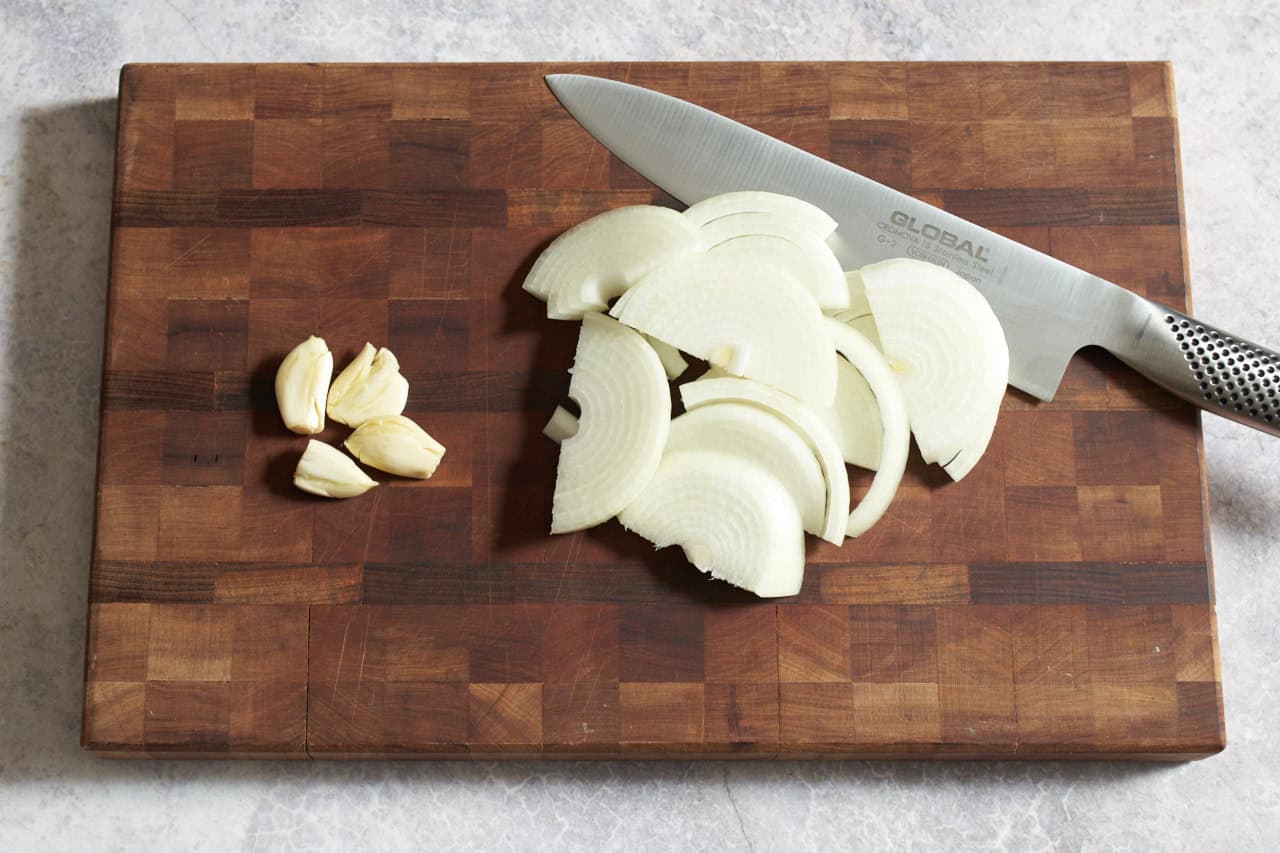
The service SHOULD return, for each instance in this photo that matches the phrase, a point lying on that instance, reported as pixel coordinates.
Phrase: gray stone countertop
(58, 64)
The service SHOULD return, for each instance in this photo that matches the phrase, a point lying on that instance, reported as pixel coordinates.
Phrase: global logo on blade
(939, 235)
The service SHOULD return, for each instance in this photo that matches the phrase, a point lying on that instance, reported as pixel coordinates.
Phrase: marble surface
(59, 61)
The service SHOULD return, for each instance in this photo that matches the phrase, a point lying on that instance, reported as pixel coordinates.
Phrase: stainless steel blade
(1049, 309)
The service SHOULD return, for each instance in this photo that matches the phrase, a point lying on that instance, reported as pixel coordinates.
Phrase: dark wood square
(203, 449)
(207, 334)
(661, 643)
(287, 153)
(879, 149)
(211, 155)
(430, 154)
(288, 91)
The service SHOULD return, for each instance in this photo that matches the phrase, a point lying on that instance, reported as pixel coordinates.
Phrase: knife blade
(1048, 308)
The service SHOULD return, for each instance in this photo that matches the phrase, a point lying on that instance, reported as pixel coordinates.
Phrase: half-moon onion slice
(761, 437)
(734, 520)
(949, 353)
(896, 440)
(598, 259)
(621, 389)
(751, 320)
(802, 418)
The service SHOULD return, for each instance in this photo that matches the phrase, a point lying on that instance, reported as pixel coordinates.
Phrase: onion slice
(807, 217)
(893, 413)
(598, 259)
(949, 354)
(854, 417)
(769, 240)
(858, 313)
(622, 392)
(748, 319)
(733, 520)
(800, 417)
(754, 434)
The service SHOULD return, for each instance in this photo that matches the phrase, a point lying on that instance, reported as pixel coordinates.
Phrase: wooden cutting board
(1056, 603)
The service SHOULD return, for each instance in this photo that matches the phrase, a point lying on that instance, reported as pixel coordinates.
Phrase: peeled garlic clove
(302, 383)
(326, 471)
(369, 387)
(397, 445)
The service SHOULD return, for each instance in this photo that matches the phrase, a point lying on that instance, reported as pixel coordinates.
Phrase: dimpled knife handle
(1218, 372)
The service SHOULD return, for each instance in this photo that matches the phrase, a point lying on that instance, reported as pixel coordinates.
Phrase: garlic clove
(397, 445)
(370, 386)
(302, 383)
(326, 471)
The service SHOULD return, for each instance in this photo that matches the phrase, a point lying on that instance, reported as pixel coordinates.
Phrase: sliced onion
(734, 521)
(769, 240)
(759, 436)
(854, 417)
(750, 320)
(858, 314)
(807, 424)
(622, 391)
(948, 351)
(597, 260)
(893, 413)
(807, 217)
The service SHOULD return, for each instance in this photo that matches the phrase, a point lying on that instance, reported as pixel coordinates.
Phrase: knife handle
(1218, 372)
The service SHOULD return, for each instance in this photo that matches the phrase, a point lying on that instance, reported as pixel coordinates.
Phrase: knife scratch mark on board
(364, 651)
(564, 569)
(191, 250)
(591, 644)
(337, 672)
(368, 531)
(448, 292)
(422, 268)
(496, 699)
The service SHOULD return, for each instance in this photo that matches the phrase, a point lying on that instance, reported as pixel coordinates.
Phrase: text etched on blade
(929, 242)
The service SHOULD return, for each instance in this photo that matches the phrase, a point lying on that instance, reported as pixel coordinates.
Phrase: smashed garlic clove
(302, 383)
(326, 471)
(369, 387)
(397, 445)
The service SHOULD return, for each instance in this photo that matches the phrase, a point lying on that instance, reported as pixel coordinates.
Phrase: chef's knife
(1049, 309)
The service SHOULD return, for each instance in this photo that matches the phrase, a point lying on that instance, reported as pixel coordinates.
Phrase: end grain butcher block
(1056, 603)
